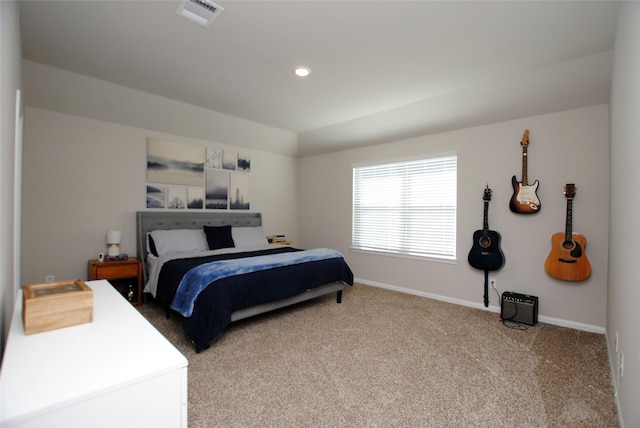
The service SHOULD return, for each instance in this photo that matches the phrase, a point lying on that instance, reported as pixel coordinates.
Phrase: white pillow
(244, 237)
(179, 241)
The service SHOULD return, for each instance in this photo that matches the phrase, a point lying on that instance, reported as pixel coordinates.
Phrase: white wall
(10, 53)
(566, 147)
(83, 177)
(54, 89)
(624, 277)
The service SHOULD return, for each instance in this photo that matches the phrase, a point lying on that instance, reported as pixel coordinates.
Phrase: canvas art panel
(239, 192)
(229, 160)
(177, 198)
(174, 163)
(195, 198)
(214, 158)
(244, 163)
(156, 196)
(217, 189)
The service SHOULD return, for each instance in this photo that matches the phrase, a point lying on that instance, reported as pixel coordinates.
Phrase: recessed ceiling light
(302, 71)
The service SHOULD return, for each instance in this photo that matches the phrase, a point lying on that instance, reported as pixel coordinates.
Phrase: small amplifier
(520, 308)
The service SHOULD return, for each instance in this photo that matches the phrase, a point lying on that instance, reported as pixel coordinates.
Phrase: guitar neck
(524, 166)
(568, 231)
(485, 224)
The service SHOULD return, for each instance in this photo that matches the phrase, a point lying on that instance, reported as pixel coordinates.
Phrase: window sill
(403, 255)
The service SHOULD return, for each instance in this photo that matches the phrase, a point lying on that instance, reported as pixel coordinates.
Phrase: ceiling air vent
(201, 12)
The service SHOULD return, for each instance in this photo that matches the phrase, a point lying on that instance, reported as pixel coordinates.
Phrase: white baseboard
(492, 308)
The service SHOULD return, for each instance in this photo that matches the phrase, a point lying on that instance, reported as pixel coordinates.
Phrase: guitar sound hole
(485, 242)
(568, 245)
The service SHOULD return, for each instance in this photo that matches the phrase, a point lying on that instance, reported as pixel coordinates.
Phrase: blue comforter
(198, 278)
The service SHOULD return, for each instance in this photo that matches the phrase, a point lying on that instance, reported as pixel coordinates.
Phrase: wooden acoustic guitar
(485, 254)
(568, 260)
(525, 199)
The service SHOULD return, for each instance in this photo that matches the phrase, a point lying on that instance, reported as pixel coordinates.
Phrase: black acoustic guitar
(486, 254)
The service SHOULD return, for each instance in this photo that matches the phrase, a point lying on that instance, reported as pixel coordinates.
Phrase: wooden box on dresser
(115, 371)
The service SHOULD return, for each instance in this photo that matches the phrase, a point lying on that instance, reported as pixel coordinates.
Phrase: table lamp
(113, 242)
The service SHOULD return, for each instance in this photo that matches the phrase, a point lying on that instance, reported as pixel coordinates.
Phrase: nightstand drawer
(120, 271)
(124, 275)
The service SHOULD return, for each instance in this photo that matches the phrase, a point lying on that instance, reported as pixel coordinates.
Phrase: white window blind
(406, 207)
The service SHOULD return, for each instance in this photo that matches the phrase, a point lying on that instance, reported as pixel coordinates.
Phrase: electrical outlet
(493, 282)
(49, 278)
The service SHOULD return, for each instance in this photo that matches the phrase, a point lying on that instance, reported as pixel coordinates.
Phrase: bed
(190, 266)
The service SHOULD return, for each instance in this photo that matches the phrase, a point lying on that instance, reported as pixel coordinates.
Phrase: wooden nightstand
(122, 274)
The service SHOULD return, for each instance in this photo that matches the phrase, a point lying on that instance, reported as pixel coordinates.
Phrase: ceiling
(381, 70)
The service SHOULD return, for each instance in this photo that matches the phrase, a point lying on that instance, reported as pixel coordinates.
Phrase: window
(406, 208)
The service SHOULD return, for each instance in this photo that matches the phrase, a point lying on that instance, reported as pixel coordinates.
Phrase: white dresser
(117, 371)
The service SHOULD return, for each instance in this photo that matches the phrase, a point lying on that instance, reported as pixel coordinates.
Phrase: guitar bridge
(567, 260)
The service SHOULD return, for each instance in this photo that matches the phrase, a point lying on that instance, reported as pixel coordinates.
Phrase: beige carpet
(383, 359)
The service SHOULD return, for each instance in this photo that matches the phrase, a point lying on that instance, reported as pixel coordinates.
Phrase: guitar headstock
(569, 190)
(487, 194)
(525, 138)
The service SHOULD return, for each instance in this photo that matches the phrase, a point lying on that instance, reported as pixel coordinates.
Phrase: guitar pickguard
(577, 251)
(527, 196)
(524, 199)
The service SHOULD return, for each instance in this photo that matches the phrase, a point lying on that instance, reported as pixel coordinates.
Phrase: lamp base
(113, 250)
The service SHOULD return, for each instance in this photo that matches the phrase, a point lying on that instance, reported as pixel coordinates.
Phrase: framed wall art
(187, 176)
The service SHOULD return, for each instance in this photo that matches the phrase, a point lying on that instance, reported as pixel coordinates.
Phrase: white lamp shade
(113, 237)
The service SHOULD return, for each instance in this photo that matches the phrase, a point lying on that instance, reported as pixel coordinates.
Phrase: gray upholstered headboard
(146, 221)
